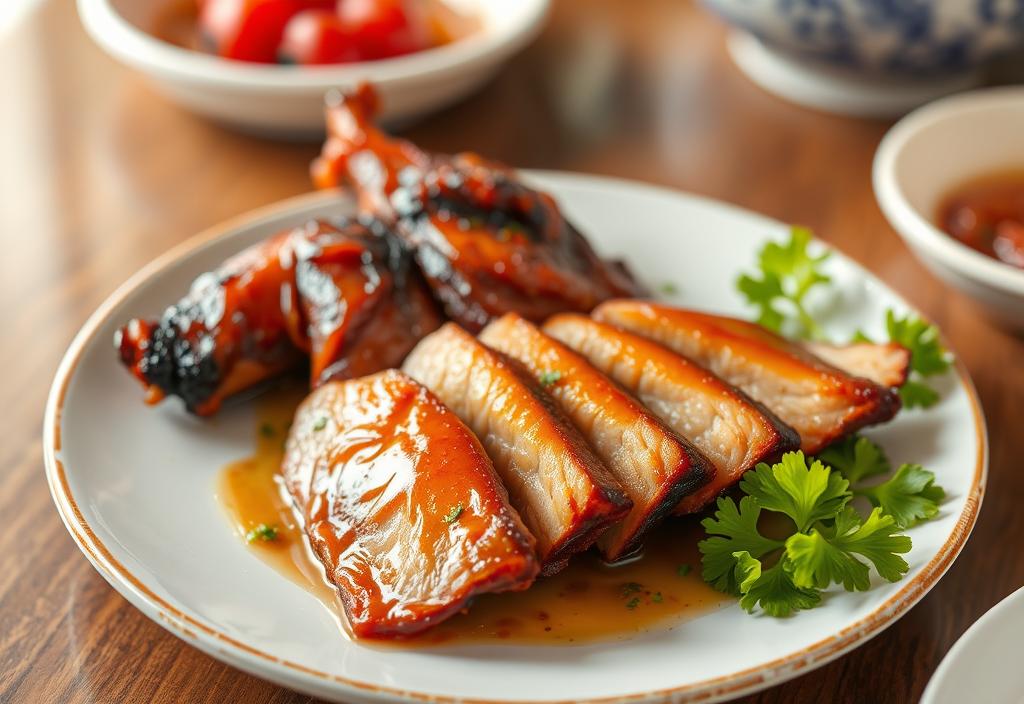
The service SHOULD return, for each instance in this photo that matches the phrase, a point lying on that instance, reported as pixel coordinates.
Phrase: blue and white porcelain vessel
(819, 51)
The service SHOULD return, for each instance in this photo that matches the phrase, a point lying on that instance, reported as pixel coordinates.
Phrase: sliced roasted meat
(818, 400)
(401, 505)
(730, 429)
(486, 242)
(344, 295)
(887, 364)
(654, 465)
(564, 493)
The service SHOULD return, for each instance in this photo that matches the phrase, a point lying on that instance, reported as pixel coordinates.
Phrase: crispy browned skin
(731, 430)
(887, 364)
(565, 495)
(344, 296)
(654, 465)
(401, 505)
(487, 243)
(819, 401)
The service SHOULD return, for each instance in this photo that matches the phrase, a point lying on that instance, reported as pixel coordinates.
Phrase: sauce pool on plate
(588, 601)
(987, 214)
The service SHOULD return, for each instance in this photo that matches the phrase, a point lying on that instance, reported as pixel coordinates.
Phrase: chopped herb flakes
(683, 570)
(262, 532)
(630, 588)
(453, 514)
(633, 603)
(267, 430)
(549, 378)
(657, 598)
(669, 288)
(320, 424)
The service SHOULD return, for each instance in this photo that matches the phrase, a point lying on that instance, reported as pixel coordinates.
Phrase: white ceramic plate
(288, 101)
(135, 487)
(984, 665)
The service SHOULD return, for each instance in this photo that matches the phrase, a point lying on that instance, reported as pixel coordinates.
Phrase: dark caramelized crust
(564, 493)
(731, 430)
(818, 400)
(344, 295)
(654, 465)
(401, 505)
(486, 243)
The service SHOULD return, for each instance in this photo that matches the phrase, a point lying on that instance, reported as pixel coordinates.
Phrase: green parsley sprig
(827, 541)
(909, 496)
(788, 272)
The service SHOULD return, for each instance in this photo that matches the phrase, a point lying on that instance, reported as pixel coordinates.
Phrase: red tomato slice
(317, 37)
(382, 28)
(249, 30)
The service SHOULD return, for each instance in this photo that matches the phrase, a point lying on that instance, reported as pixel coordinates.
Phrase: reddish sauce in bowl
(987, 214)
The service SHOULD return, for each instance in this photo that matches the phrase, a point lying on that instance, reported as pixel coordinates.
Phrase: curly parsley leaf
(805, 493)
(787, 273)
(732, 529)
(772, 589)
(827, 542)
(857, 458)
(909, 496)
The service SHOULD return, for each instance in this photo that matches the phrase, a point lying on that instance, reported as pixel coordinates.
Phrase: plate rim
(295, 675)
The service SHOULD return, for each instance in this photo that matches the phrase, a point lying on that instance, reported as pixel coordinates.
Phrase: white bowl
(288, 100)
(932, 151)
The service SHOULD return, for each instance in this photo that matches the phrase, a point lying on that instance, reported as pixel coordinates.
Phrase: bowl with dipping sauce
(949, 177)
(868, 58)
(228, 69)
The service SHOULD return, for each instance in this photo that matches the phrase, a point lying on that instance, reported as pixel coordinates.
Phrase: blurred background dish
(868, 58)
(980, 666)
(933, 155)
(287, 100)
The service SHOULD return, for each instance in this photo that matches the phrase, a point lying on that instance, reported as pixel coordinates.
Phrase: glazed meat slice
(401, 505)
(565, 495)
(486, 242)
(818, 400)
(885, 364)
(654, 465)
(732, 431)
(342, 295)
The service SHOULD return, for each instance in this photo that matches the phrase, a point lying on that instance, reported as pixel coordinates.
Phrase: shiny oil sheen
(588, 601)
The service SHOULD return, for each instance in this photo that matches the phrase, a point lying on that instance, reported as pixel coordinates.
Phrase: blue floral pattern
(891, 36)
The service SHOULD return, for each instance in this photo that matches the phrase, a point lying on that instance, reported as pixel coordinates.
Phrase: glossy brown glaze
(342, 295)
(486, 242)
(401, 505)
(816, 399)
(565, 494)
(656, 466)
(588, 601)
(99, 190)
(731, 430)
(987, 214)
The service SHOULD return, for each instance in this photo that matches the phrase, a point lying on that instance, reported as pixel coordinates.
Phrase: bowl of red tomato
(266, 65)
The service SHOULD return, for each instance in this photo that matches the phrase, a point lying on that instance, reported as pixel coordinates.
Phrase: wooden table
(100, 174)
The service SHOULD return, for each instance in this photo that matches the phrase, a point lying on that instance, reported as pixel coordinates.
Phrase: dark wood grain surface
(99, 174)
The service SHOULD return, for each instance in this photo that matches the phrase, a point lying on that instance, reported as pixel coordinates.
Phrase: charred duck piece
(401, 505)
(343, 295)
(486, 243)
(730, 429)
(821, 402)
(565, 494)
(654, 465)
